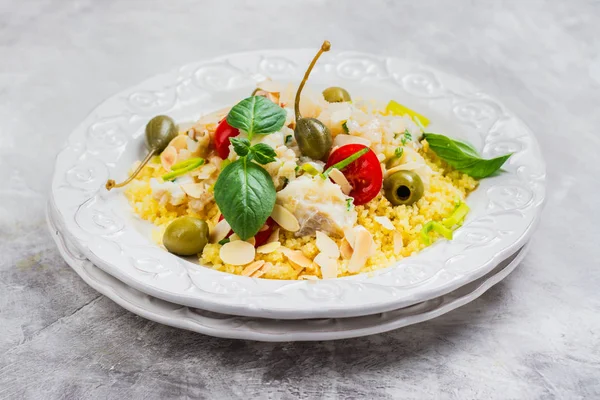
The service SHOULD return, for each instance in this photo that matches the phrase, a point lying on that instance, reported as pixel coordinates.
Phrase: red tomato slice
(364, 174)
(262, 236)
(223, 132)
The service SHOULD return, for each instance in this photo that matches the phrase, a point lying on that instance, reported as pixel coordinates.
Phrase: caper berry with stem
(186, 236)
(160, 130)
(312, 136)
(336, 94)
(403, 188)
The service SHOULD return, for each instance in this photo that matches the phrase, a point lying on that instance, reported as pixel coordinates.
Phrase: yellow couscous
(329, 187)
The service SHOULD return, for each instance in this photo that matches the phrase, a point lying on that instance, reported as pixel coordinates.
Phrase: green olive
(160, 130)
(336, 94)
(186, 236)
(312, 136)
(403, 187)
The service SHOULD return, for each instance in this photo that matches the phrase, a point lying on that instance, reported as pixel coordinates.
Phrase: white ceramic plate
(272, 330)
(504, 209)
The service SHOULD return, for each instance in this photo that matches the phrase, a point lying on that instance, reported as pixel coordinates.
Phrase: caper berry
(336, 94)
(312, 136)
(403, 187)
(160, 130)
(186, 236)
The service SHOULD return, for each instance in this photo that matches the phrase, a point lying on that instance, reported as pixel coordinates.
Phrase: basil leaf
(463, 156)
(241, 146)
(245, 195)
(263, 153)
(256, 114)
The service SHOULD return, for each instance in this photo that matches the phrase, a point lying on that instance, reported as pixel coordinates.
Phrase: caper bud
(160, 130)
(336, 94)
(186, 236)
(403, 187)
(312, 136)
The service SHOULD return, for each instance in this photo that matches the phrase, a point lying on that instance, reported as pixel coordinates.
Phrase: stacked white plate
(112, 250)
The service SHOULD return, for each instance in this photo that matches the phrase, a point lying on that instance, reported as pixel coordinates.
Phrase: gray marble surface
(534, 336)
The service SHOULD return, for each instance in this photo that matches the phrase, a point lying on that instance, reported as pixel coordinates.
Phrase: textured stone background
(535, 335)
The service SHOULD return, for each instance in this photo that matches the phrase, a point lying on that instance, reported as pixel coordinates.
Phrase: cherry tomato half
(223, 132)
(262, 236)
(364, 174)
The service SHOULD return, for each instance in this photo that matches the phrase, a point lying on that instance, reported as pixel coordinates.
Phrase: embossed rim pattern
(268, 330)
(505, 208)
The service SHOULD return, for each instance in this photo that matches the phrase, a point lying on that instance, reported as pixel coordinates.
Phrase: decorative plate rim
(514, 198)
(261, 329)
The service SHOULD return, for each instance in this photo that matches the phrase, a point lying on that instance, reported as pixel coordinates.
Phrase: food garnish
(160, 130)
(312, 136)
(463, 157)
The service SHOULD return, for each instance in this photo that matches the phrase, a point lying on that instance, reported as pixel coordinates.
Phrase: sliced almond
(179, 142)
(205, 171)
(385, 222)
(220, 231)
(296, 257)
(285, 219)
(195, 190)
(168, 157)
(237, 252)
(327, 246)
(345, 249)
(350, 236)
(265, 227)
(253, 267)
(268, 248)
(274, 236)
(258, 274)
(373, 248)
(329, 266)
(398, 244)
(234, 236)
(381, 157)
(308, 277)
(341, 180)
(342, 140)
(362, 250)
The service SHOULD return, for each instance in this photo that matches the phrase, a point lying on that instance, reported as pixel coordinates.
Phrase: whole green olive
(336, 94)
(186, 236)
(312, 136)
(403, 187)
(160, 130)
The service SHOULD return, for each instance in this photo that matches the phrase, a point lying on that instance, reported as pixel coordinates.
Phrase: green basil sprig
(244, 191)
(463, 157)
(256, 114)
(261, 152)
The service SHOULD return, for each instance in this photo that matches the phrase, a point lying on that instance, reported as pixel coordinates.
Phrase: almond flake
(327, 246)
(329, 266)
(234, 236)
(237, 252)
(268, 248)
(285, 219)
(258, 274)
(168, 157)
(274, 236)
(179, 142)
(253, 267)
(220, 231)
(308, 277)
(341, 180)
(362, 250)
(350, 236)
(345, 249)
(194, 190)
(385, 222)
(296, 257)
(381, 157)
(398, 242)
